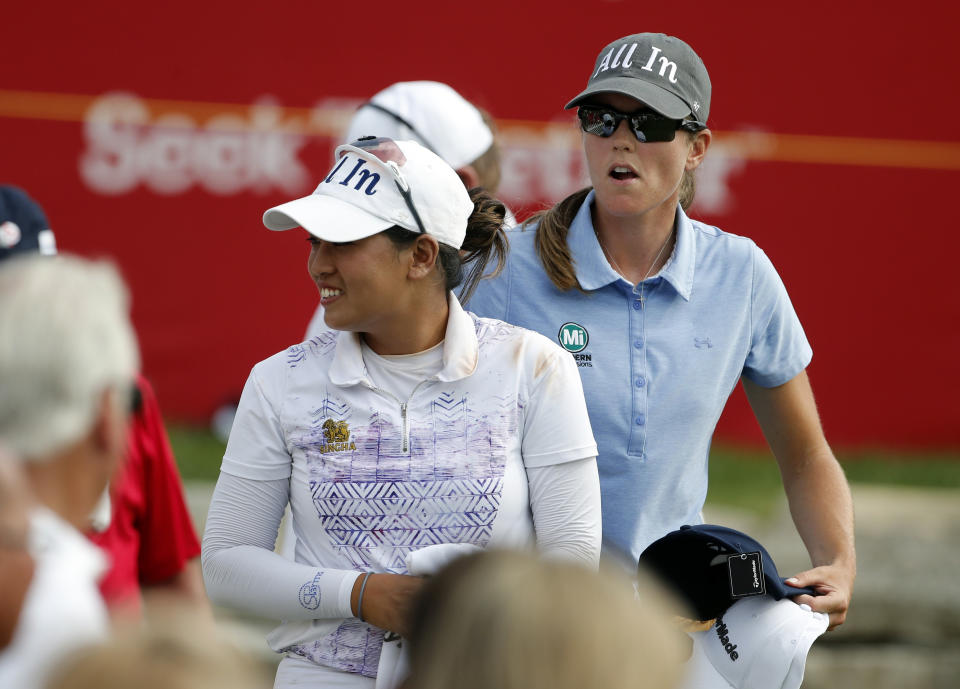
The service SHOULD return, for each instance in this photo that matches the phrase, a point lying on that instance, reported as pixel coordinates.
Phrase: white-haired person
(142, 522)
(665, 315)
(413, 430)
(68, 362)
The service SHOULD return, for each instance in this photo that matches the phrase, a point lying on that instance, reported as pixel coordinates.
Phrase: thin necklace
(643, 324)
(617, 268)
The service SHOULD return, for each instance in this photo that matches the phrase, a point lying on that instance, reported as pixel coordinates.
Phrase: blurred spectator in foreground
(509, 620)
(142, 522)
(68, 357)
(16, 564)
(169, 654)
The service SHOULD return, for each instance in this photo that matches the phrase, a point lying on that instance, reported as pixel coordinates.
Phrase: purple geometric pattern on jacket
(377, 503)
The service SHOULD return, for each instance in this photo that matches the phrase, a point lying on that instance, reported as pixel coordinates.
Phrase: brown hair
(550, 240)
(178, 651)
(512, 620)
(485, 239)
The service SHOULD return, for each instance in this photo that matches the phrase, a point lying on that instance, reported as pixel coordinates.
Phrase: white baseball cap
(377, 183)
(758, 643)
(430, 113)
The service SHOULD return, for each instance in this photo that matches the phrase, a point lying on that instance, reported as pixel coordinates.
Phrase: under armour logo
(696, 105)
(702, 343)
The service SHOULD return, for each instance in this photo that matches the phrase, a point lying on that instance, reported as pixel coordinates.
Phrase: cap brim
(651, 95)
(698, 669)
(325, 217)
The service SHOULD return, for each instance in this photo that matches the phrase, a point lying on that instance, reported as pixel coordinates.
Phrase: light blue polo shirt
(657, 372)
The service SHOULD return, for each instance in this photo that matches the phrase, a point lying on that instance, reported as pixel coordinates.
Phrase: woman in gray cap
(664, 315)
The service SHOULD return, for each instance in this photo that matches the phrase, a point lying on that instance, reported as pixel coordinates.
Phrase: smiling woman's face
(359, 281)
(633, 178)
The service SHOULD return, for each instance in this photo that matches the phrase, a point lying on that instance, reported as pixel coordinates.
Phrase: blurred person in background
(665, 315)
(142, 522)
(170, 653)
(511, 620)
(16, 563)
(412, 426)
(68, 361)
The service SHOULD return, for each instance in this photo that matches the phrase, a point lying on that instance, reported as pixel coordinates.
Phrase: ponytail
(485, 238)
(551, 239)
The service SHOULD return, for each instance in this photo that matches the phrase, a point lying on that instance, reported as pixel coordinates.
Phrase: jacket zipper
(405, 445)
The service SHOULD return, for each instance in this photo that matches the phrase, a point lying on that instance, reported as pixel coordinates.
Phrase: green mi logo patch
(573, 337)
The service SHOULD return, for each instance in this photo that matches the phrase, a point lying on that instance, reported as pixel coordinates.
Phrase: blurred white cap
(430, 113)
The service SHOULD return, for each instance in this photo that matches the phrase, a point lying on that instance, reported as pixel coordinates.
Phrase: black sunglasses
(393, 159)
(648, 127)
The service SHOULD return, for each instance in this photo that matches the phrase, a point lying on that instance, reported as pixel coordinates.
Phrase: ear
(469, 176)
(109, 432)
(423, 257)
(698, 148)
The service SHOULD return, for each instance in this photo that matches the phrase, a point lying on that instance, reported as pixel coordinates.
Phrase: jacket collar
(594, 271)
(460, 351)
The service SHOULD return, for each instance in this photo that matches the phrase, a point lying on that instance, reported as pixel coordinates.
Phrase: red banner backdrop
(157, 135)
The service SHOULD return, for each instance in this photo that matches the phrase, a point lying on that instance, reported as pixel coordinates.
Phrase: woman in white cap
(664, 315)
(414, 433)
(435, 116)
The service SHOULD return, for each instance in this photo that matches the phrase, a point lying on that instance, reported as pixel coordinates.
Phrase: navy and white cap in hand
(710, 567)
(660, 71)
(362, 195)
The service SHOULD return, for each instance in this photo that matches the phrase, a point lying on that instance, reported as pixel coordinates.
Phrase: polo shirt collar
(594, 271)
(460, 351)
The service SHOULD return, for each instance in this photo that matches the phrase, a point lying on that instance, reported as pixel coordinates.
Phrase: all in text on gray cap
(661, 71)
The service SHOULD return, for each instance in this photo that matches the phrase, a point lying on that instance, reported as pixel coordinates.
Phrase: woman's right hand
(387, 600)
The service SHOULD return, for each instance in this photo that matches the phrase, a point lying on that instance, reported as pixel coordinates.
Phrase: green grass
(746, 478)
(198, 452)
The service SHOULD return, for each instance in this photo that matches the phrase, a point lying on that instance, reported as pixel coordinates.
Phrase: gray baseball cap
(661, 71)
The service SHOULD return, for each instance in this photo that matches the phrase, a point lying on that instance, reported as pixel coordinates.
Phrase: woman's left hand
(834, 583)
